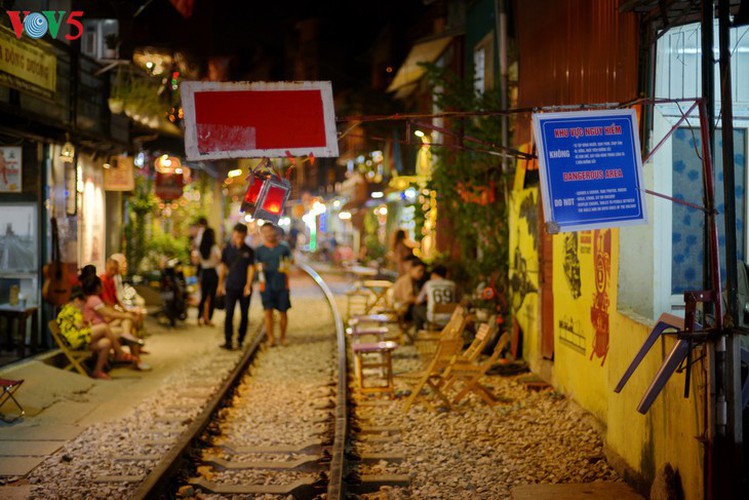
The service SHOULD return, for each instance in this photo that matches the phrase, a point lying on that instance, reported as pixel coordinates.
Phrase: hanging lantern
(272, 199)
(257, 179)
(67, 153)
(267, 193)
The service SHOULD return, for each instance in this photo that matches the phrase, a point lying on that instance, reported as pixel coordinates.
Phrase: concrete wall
(594, 343)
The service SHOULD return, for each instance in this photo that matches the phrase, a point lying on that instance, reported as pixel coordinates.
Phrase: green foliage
(163, 247)
(141, 203)
(480, 229)
(375, 249)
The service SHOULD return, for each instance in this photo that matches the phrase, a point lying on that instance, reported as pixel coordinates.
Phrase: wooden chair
(9, 387)
(442, 309)
(426, 341)
(469, 373)
(75, 358)
(449, 352)
(432, 376)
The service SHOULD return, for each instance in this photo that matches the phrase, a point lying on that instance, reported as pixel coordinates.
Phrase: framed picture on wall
(18, 239)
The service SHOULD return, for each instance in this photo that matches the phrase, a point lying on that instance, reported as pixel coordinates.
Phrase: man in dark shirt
(273, 261)
(235, 281)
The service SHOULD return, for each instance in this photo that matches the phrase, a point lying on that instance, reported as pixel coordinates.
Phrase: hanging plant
(469, 183)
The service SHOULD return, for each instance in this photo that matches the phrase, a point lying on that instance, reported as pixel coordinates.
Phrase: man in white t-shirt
(438, 290)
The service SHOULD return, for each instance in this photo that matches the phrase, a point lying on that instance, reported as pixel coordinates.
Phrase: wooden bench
(75, 358)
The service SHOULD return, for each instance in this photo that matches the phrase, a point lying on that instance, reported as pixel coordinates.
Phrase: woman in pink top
(96, 311)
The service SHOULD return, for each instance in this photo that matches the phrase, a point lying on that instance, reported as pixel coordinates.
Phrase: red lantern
(253, 191)
(272, 199)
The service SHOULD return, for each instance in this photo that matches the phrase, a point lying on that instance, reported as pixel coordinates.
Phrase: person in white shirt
(126, 294)
(210, 258)
(438, 290)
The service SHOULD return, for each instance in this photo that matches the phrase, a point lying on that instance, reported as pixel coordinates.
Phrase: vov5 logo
(38, 24)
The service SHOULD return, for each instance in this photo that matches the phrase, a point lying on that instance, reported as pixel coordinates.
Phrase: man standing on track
(273, 261)
(235, 281)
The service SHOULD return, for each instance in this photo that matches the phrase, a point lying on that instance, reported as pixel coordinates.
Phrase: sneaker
(226, 346)
(143, 367)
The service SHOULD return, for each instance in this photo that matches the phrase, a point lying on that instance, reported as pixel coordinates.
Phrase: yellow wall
(524, 275)
(646, 442)
(579, 370)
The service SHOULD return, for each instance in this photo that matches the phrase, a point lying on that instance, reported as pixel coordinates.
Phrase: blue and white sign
(591, 169)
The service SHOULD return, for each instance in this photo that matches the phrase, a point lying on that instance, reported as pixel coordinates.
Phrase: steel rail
(336, 488)
(158, 479)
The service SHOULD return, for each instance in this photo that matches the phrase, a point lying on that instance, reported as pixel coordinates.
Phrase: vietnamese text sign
(246, 120)
(591, 169)
(26, 66)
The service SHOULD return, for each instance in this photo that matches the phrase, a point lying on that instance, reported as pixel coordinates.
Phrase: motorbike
(173, 290)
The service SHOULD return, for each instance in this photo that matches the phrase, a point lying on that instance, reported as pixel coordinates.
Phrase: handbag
(220, 302)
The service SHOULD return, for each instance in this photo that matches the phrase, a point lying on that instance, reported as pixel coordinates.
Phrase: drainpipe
(500, 17)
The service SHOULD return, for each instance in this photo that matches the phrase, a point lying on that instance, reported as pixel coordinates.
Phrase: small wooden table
(381, 351)
(18, 317)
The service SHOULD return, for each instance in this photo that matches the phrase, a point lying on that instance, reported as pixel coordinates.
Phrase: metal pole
(713, 252)
(500, 18)
(730, 450)
(707, 121)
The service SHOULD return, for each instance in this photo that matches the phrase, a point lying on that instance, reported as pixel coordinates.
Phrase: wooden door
(545, 265)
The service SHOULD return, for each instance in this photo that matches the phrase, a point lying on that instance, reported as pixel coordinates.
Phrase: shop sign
(119, 175)
(27, 66)
(169, 187)
(590, 168)
(10, 169)
(258, 119)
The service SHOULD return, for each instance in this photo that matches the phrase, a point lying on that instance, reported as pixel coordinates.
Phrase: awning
(410, 71)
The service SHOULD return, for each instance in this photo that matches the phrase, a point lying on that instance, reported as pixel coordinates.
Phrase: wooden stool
(389, 317)
(375, 355)
(8, 388)
(357, 302)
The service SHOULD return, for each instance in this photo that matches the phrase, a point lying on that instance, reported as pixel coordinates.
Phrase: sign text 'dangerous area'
(591, 169)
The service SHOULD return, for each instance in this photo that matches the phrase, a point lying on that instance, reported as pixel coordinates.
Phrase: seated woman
(120, 322)
(80, 335)
(406, 290)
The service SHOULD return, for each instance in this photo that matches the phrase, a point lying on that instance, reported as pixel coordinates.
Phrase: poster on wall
(590, 168)
(10, 169)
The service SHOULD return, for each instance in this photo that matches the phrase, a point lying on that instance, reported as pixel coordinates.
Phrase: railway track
(319, 459)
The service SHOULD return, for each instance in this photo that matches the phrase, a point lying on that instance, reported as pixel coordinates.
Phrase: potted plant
(111, 41)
